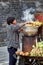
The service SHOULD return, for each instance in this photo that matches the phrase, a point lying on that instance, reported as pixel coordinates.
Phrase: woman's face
(14, 22)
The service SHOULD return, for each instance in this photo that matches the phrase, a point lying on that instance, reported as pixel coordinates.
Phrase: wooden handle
(22, 26)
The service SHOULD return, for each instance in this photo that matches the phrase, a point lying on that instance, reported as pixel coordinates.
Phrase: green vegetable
(37, 50)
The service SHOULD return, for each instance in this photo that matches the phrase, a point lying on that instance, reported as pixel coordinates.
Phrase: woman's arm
(18, 27)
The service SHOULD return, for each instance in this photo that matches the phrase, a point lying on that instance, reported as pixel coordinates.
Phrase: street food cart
(28, 40)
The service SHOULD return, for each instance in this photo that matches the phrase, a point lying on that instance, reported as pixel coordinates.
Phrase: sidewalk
(4, 56)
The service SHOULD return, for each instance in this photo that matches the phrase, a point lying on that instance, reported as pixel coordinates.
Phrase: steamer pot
(30, 30)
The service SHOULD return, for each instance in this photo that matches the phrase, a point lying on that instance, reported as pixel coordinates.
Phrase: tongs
(20, 28)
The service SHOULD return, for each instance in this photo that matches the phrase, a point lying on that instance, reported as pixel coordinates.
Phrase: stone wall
(13, 8)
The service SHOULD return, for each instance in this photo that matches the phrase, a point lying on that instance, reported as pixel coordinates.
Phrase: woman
(12, 39)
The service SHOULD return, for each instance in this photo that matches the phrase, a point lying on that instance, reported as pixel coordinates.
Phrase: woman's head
(11, 20)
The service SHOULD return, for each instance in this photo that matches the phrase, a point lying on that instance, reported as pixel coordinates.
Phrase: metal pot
(30, 30)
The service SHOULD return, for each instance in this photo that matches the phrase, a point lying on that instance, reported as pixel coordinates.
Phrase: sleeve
(15, 27)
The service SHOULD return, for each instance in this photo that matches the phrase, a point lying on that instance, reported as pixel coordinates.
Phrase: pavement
(4, 56)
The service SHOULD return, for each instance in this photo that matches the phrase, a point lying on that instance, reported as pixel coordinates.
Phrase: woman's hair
(10, 20)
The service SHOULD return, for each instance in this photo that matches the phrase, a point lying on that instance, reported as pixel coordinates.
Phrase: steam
(28, 14)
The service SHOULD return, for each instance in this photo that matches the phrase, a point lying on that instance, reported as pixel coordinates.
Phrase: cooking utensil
(22, 25)
(30, 30)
